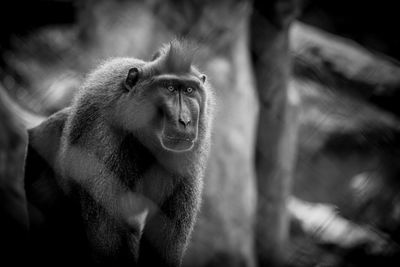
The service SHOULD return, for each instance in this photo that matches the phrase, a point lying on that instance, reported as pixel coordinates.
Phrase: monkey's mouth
(177, 143)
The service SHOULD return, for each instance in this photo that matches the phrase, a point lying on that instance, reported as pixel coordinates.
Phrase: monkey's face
(170, 107)
(179, 105)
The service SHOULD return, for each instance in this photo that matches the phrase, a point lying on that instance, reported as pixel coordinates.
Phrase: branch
(344, 65)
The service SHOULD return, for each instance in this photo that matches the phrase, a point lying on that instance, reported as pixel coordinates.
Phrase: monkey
(116, 178)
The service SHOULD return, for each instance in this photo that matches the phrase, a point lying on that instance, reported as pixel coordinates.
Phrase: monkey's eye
(189, 90)
(171, 88)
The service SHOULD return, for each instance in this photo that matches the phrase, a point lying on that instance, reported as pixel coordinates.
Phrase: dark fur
(101, 190)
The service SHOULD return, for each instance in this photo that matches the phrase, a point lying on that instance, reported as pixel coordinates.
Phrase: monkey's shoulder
(42, 190)
(43, 146)
(45, 138)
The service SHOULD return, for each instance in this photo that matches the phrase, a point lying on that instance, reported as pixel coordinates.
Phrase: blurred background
(304, 168)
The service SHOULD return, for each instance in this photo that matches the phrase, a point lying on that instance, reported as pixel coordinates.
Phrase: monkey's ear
(132, 78)
(203, 78)
(156, 55)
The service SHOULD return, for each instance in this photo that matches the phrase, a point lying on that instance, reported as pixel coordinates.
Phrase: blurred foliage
(348, 148)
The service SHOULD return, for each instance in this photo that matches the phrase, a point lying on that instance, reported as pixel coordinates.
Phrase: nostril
(184, 122)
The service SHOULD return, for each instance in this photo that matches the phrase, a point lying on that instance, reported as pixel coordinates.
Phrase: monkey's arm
(40, 161)
(167, 233)
(53, 231)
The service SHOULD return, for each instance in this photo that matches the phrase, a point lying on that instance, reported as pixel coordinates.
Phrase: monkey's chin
(177, 145)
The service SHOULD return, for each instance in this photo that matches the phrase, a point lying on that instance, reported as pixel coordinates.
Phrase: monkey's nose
(184, 121)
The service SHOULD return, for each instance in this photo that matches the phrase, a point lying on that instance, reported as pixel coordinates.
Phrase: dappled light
(199, 133)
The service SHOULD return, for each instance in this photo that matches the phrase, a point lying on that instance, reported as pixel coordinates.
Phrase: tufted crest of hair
(175, 57)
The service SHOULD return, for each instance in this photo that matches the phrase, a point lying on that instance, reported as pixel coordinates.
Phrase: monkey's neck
(131, 158)
(124, 156)
(140, 170)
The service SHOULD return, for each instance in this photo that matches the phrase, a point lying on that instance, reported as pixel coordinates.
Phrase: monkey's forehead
(183, 77)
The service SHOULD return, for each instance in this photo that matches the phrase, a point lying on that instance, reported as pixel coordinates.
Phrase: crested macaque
(116, 178)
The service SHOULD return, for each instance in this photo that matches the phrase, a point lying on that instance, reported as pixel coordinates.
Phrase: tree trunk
(277, 127)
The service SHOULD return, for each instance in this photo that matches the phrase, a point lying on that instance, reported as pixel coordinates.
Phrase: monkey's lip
(179, 143)
(179, 138)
